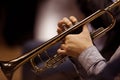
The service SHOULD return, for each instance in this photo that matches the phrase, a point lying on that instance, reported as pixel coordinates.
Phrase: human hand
(74, 44)
(66, 23)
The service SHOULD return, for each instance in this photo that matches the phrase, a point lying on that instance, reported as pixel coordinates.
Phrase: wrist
(86, 48)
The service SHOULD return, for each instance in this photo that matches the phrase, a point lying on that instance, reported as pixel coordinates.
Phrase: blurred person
(107, 52)
(108, 43)
(81, 47)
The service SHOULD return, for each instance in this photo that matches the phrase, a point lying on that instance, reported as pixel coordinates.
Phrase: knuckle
(69, 23)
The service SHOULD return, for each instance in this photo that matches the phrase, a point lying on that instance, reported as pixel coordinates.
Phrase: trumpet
(9, 67)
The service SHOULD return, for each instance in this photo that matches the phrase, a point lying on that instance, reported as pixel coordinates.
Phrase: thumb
(85, 29)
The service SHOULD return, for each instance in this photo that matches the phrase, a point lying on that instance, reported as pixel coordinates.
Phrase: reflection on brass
(8, 67)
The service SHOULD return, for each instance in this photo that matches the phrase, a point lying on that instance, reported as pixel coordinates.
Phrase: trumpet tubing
(8, 67)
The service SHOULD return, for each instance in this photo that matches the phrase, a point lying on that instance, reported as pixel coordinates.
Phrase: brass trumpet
(8, 67)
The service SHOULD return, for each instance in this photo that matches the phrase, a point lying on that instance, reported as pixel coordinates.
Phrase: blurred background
(25, 24)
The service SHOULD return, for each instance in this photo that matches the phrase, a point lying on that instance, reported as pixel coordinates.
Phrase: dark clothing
(90, 6)
(65, 71)
(111, 70)
(113, 40)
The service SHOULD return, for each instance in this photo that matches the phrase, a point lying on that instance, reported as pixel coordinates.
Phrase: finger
(61, 25)
(63, 46)
(73, 19)
(60, 51)
(85, 29)
(59, 30)
(64, 24)
(67, 22)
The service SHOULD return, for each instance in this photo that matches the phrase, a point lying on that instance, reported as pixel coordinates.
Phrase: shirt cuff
(89, 57)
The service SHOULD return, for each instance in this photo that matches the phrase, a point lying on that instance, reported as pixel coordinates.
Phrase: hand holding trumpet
(73, 44)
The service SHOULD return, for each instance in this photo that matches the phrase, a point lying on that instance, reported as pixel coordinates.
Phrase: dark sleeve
(112, 70)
